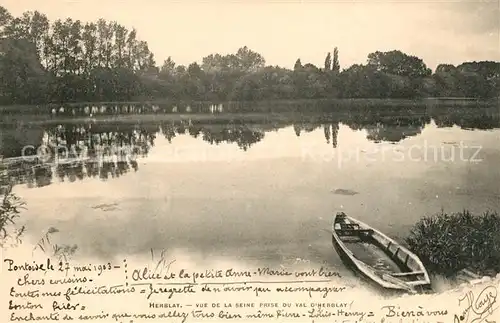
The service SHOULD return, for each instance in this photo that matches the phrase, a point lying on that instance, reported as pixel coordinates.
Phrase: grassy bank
(448, 243)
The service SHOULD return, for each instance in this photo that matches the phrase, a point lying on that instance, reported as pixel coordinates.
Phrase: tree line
(74, 61)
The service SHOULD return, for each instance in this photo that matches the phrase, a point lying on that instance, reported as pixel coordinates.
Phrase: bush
(447, 243)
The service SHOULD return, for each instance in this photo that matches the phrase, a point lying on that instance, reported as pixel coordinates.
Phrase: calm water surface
(259, 192)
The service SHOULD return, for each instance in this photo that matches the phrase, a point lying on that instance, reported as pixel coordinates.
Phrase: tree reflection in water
(110, 150)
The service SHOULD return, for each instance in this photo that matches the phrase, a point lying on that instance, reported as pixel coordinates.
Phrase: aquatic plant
(448, 243)
(61, 251)
(10, 209)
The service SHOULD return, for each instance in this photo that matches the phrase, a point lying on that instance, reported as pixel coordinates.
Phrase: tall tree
(40, 30)
(335, 61)
(120, 44)
(89, 42)
(167, 70)
(104, 43)
(144, 58)
(31, 26)
(5, 18)
(328, 62)
(249, 60)
(60, 37)
(398, 63)
(298, 65)
(131, 49)
(75, 58)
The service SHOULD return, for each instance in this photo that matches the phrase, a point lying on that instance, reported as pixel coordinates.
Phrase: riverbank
(467, 116)
(148, 118)
(264, 104)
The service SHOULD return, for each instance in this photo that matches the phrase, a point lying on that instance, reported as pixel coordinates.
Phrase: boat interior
(375, 250)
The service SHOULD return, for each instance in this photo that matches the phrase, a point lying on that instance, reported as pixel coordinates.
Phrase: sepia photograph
(284, 161)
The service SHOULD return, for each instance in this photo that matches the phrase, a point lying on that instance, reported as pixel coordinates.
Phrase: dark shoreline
(347, 101)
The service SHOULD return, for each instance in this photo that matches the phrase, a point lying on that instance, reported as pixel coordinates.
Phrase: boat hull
(368, 273)
(349, 263)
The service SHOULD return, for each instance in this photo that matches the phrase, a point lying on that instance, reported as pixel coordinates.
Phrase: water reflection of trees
(110, 150)
(331, 131)
(242, 135)
(90, 150)
(31, 173)
(379, 127)
(475, 120)
(76, 151)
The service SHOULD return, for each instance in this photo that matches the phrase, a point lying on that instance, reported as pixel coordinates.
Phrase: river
(261, 192)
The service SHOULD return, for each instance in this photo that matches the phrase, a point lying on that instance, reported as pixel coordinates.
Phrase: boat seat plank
(349, 226)
(344, 232)
(412, 273)
(358, 232)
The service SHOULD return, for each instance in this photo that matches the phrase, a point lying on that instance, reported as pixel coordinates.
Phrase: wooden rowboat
(378, 257)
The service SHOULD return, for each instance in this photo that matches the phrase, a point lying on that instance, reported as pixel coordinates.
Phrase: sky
(437, 31)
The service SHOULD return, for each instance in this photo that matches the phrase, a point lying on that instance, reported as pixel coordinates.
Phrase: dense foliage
(449, 243)
(73, 61)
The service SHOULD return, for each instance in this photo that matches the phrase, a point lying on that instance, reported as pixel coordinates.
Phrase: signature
(478, 308)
